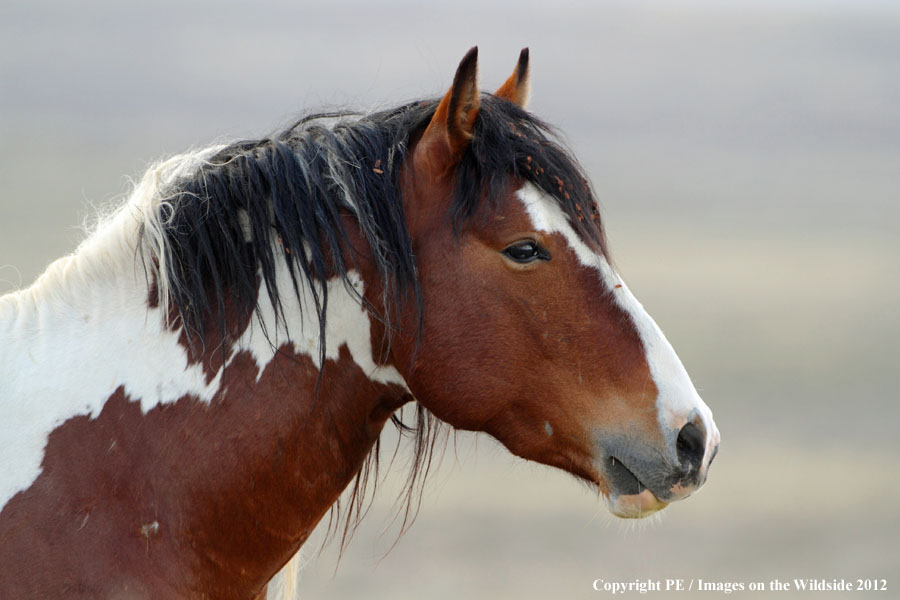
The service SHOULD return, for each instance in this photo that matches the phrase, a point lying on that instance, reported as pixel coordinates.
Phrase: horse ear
(450, 129)
(517, 88)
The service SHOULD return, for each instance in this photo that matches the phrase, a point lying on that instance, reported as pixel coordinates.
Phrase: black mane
(281, 198)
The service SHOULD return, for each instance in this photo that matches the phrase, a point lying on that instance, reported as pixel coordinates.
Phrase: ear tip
(522, 67)
(468, 66)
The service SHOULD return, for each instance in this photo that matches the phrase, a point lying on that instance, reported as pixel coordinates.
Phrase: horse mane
(222, 219)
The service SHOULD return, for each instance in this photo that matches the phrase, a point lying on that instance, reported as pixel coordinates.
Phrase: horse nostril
(691, 445)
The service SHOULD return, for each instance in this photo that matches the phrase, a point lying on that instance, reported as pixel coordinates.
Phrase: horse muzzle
(643, 479)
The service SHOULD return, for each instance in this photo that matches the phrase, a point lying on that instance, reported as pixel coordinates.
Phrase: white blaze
(678, 401)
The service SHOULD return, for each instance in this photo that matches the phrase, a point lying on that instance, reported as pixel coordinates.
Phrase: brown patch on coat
(192, 499)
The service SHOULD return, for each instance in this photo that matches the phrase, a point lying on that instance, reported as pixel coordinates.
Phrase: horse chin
(635, 506)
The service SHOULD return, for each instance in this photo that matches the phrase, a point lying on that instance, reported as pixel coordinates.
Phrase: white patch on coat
(70, 340)
(347, 324)
(678, 401)
(84, 329)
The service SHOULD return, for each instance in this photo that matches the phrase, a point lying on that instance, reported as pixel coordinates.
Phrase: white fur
(71, 339)
(346, 324)
(677, 401)
(84, 329)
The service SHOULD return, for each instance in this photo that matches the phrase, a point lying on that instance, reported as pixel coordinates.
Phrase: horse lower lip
(630, 499)
(636, 506)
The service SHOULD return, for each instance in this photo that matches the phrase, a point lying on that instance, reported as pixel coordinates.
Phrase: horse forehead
(503, 215)
(546, 215)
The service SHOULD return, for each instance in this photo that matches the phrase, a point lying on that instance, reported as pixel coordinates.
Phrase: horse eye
(526, 251)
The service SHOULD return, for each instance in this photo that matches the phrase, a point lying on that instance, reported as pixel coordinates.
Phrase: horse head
(528, 333)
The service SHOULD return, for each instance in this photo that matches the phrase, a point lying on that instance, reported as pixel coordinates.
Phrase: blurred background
(746, 155)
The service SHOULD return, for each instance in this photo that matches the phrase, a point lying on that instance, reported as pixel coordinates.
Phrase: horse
(189, 393)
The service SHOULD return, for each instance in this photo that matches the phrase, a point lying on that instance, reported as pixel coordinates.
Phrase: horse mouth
(621, 479)
(629, 498)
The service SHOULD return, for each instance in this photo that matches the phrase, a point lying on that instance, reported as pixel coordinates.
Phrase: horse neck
(227, 468)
